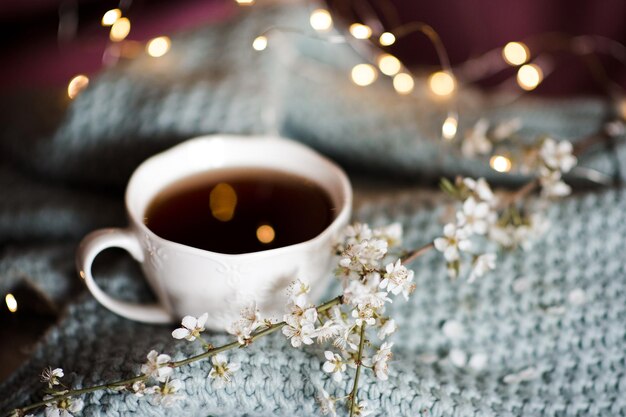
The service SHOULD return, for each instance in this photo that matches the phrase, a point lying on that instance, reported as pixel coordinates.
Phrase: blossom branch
(140, 378)
(359, 358)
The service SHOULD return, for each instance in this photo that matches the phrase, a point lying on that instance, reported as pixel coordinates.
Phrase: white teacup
(191, 281)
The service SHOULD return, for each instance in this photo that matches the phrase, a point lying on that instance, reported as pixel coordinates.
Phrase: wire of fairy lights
(369, 37)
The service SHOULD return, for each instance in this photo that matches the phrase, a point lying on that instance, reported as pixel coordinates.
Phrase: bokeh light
(403, 83)
(364, 74)
(360, 31)
(158, 47)
(120, 29)
(529, 76)
(389, 64)
(387, 38)
(76, 85)
(260, 43)
(321, 20)
(111, 17)
(500, 163)
(442, 83)
(515, 53)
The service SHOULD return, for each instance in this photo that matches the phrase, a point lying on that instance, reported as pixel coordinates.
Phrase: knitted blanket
(543, 335)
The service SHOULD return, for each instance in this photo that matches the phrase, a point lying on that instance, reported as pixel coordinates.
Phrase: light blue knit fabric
(58, 186)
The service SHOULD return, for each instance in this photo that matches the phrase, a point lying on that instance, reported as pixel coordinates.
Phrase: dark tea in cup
(240, 210)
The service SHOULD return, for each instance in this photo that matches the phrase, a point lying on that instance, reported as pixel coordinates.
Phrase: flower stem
(359, 357)
(414, 254)
(211, 352)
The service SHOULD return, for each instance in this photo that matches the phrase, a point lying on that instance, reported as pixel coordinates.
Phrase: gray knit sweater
(556, 312)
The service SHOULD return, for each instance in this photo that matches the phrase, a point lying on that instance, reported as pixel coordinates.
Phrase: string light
(321, 20)
(245, 2)
(76, 85)
(500, 163)
(364, 74)
(111, 17)
(515, 53)
(360, 31)
(529, 76)
(389, 64)
(158, 47)
(259, 43)
(442, 83)
(387, 38)
(11, 302)
(120, 29)
(449, 127)
(403, 83)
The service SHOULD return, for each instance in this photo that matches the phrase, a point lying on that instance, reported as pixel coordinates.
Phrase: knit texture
(59, 184)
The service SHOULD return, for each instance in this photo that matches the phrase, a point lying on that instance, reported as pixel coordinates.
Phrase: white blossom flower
(300, 327)
(358, 293)
(453, 240)
(362, 409)
(552, 185)
(481, 265)
(380, 359)
(298, 315)
(66, 407)
(52, 376)
(364, 254)
(476, 141)
(482, 190)
(241, 331)
(504, 235)
(166, 395)
(364, 314)
(140, 389)
(558, 155)
(192, 327)
(387, 329)
(391, 233)
(398, 279)
(250, 321)
(327, 403)
(299, 334)
(327, 331)
(334, 365)
(476, 217)
(356, 233)
(505, 129)
(299, 292)
(222, 371)
(157, 367)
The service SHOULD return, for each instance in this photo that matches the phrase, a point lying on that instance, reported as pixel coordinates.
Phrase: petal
(202, 319)
(234, 366)
(189, 322)
(329, 355)
(153, 355)
(180, 334)
(441, 243)
(328, 367)
(163, 358)
(449, 230)
(337, 376)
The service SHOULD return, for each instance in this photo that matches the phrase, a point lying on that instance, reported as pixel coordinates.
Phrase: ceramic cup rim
(341, 217)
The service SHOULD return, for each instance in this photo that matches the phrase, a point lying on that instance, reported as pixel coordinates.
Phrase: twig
(211, 352)
(355, 387)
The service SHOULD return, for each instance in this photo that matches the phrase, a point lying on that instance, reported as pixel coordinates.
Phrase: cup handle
(90, 247)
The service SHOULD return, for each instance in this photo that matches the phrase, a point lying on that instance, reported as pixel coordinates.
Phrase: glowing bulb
(387, 38)
(389, 64)
(500, 163)
(321, 20)
(449, 127)
(158, 47)
(11, 302)
(360, 31)
(265, 233)
(120, 29)
(515, 53)
(364, 74)
(111, 17)
(76, 85)
(245, 2)
(403, 83)
(529, 76)
(259, 43)
(442, 83)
